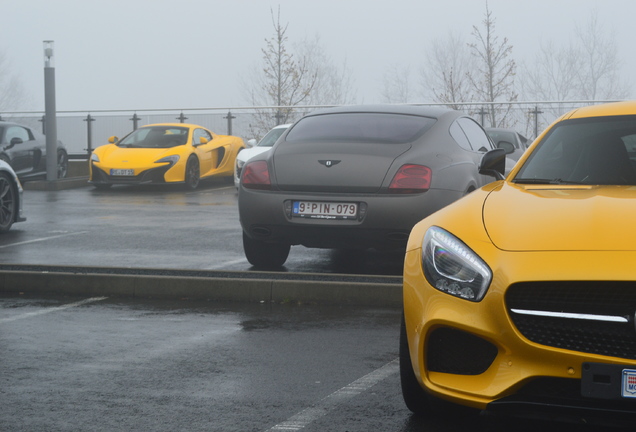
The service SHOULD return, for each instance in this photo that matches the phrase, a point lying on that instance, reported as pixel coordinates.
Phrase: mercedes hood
(561, 218)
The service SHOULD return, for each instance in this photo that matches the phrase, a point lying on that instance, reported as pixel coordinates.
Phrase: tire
(265, 255)
(8, 202)
(192, 173)
(415, 398)
(62, 164)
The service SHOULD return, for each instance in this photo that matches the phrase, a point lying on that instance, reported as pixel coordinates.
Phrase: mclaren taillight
(256, 176)
(411, 178)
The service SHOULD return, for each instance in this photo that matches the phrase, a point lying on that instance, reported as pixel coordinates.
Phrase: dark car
(25, 150)
(357, 177)
(517, 143)
(10, 198)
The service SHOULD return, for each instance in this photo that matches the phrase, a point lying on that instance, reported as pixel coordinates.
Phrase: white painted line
(306, 416)
(42, 239)
(227, 263)
(50, 310)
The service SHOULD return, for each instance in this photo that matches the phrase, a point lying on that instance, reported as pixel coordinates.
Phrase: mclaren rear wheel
(192, 173)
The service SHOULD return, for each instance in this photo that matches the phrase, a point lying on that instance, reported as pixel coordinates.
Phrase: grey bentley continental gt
(357, 177)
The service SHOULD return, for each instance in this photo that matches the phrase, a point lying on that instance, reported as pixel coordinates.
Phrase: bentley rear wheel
(265, 255)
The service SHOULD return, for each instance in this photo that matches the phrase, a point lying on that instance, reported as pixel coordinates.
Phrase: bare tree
(12, 94)
(333, 85)
(598, 63)
(553, 74)
(284, 81)
(444, 79)
(552, 77)
(396, 85)
(584, 68)
(493, 77)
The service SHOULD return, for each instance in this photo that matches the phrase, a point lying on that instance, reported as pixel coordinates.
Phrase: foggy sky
(164, 54)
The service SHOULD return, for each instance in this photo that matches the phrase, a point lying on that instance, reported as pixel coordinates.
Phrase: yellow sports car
(522, 295)
(165, 153)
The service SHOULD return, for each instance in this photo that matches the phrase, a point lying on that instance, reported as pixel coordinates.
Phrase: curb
(77, 177)
(239, 289)
(55, 185)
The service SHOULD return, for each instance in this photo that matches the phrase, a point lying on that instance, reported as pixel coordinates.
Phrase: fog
(162, 54)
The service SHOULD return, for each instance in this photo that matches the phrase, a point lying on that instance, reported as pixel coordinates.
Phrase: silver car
(263, 145)
(512, 141)
(357, 177)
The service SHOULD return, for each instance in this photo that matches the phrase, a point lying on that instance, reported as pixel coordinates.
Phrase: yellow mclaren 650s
(520, 298)
(165, 153)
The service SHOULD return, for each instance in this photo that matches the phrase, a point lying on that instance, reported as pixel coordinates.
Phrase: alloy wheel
(7, 202)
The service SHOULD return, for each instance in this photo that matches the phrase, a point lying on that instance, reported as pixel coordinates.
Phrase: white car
(263, 145)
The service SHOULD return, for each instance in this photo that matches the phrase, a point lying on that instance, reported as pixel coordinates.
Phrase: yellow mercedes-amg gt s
(165, 153)
(522, 295)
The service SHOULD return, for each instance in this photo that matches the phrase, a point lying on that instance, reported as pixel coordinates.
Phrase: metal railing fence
(83, 131)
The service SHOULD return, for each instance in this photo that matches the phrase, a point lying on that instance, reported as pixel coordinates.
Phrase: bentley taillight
(411, 178)
(256, 176)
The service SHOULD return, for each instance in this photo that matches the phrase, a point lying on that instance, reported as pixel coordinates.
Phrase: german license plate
(122, 172)
(324, 210)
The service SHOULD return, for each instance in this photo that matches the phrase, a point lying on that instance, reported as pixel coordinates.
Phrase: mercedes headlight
(452, 267)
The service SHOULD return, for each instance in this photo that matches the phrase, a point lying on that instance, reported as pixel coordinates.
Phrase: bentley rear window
(360, 127)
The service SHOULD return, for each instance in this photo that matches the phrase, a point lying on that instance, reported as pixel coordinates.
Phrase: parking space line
(50, 310)
(225, 264)
(306, 416)
(41, 239)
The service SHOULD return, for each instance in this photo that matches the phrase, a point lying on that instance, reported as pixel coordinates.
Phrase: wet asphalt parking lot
(163, 227)
(105, 364)
(101, 364)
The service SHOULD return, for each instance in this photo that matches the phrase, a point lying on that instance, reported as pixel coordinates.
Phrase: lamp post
(50, 112)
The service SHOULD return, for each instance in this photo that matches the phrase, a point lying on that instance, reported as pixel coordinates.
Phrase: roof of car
(603, 110)
(428, 111)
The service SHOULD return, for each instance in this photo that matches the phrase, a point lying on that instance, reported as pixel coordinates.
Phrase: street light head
(48, 53)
